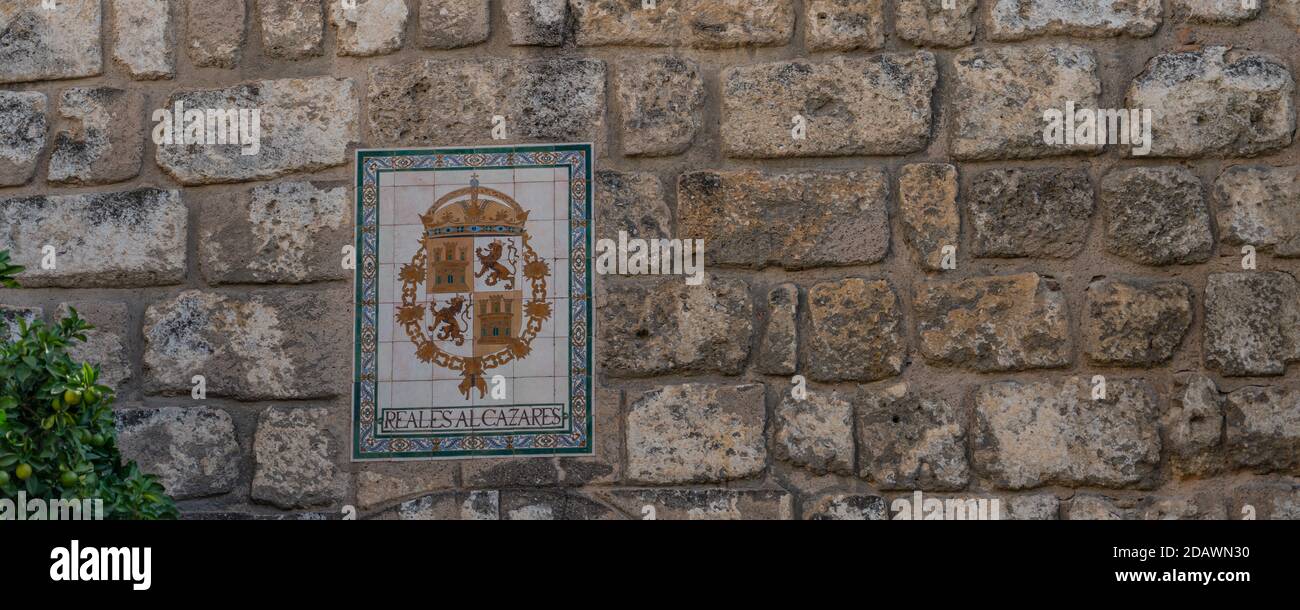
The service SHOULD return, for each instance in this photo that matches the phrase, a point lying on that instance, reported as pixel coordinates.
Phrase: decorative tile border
(576, 435)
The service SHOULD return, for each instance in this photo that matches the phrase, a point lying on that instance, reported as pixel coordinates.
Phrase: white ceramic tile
(406, 241)
(542, 238)
(386, 278)
(406, 366)
(384, 395)
(411, 201)
(560, 173)
(560, 196)
(386, 243)
(508, 383)
(486, 177)
(386, 198)
(560, 317)
(385, 179)
(561, 359)
(385, 355)
(538, 198)
(558, 286)
(539, 362)
(447, 394)
(384, 318)
(412, 394)
(534, 174)
(535, 389)
(413, 178)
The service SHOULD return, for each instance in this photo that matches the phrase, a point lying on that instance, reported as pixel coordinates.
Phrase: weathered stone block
(908, 440)
(215, 31)
(1263, 425)
(999, 95)
(662, 98)
(287, 232)
(665, 326)
(192, 449)
(778, 352)
(294, 455)
(1021, 19)
(510, 472)
(11, 314)
(453, 505)
(705, 504)
(1216, 102)
(1136, 323)
(1043, 433)
(999, 323)
(1193, 427)
(292, 29)
(537, 22)
(552, 505)
(106, 141)
(105, 344)
(797, 220)
(632, 202)
(721, 24)
(628, 22)
(844, 25)
(873, 106)
(1219, 12)
(263, 346)
(305, 125)
(22, 135)
(1260, 206)
(1265, 499)
(120, 239)
(447, 24)
(858, 332)
(846, 507)
(144, 38)
(696, 433)
(445, 102)
(1252, 322)
(381, 483)
(41, 44)
(606, 466)
(816, 432)
(374, 27)
(1156, 216)
(1041, 213)
(927, 194)
(928, 23)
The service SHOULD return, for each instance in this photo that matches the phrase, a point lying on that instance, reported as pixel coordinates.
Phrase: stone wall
(825, 254)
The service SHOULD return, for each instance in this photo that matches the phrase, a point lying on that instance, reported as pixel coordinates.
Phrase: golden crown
(472, 211)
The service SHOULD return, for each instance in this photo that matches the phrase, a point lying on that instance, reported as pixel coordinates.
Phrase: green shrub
(57, 433)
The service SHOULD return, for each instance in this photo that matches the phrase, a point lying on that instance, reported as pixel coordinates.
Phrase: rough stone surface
(293, 452)
(22, 134)
(104, 142)
(696, 433)
(844, 25)
(999, 94)
(778, 352)
(1216, 102)
(106, 343)
(1265, 499)
(1263, 428)
(796, 220)
(382, 483)
(451, 102)
(1260, 206)
(10, 315)
(1288, 10)
(215, 31)
(144, 38)
(292, 29)
(606, 466)
(510, 472)
(721, 24)
(1033, 507)
(665, 326)
(374, 27)
(1220, 12)
(927, 194)
(551, 505)
(40, 44)
(1156, 216)
(872, 106)
(857, 331)
(1030, 212)
(287, 232)
(928, 23)
(262, 346)
(998, 323)
(1193, 427)
(447, 24)
(632, 202)
(1252, 322)
(815, 432)
(536, 22)
(1045, 432)
(466, 506)
(1021, 19)
(908, 440)
(846, 507)
(306, 125)
(661, 98)
(1136, 323)
(117, 239)
(192, 449)
(705, 504)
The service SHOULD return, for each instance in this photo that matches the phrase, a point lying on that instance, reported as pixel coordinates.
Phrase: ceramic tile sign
(473, 317)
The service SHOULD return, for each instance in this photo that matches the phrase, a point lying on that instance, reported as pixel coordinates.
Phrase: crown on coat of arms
(473, 211)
